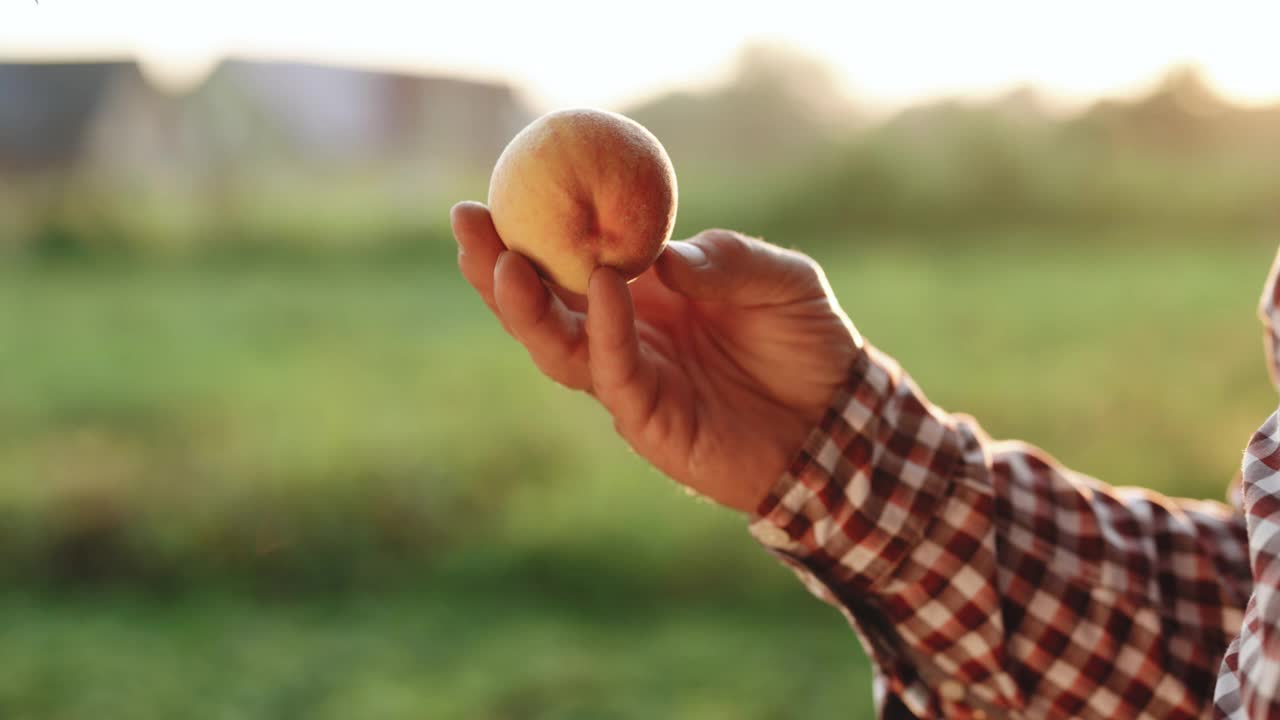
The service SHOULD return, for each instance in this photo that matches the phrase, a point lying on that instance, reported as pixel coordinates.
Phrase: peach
(578, 189)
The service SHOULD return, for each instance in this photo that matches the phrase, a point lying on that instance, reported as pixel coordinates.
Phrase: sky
(567, 52)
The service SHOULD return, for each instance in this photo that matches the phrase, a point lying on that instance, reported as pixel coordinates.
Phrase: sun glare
(567, 52)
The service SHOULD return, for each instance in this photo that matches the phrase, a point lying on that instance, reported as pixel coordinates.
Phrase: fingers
(571, 300)
(724, 266)
(478, 247)
(623, 378)
(539, 319)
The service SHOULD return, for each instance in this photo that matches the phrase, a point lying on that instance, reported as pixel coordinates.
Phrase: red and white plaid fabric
(986, 580)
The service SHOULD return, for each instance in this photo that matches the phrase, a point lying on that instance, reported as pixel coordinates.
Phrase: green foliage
(327, 484)
(954, 167)
(325, 422)
(778, 154)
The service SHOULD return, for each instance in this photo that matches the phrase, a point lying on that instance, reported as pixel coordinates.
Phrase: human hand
(715, 363)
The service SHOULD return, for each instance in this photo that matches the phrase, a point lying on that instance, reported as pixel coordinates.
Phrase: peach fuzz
(582, 188)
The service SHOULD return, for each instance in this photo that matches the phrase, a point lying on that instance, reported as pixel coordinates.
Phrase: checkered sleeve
(986, 580)
(1249, 677)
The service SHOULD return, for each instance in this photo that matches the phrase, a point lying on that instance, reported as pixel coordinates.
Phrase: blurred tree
(1182, 114)
(777, 103)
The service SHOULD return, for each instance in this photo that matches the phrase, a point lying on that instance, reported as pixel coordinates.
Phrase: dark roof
(46, 109)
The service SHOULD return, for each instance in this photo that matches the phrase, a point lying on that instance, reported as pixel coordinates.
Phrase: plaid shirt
(986, 580)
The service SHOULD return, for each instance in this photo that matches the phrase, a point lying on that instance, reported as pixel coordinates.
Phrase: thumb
(725, 266)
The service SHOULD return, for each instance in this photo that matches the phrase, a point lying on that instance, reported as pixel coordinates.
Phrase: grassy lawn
(347, 494)
(428, 654)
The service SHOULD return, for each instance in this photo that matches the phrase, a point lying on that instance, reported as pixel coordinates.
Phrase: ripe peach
(578, 189)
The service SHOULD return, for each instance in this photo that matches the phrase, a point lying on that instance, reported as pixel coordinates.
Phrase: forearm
(990, 565)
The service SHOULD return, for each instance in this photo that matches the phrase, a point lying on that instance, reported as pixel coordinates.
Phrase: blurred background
(264, 455)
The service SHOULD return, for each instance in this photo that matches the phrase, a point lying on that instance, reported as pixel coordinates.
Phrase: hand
(715, 363)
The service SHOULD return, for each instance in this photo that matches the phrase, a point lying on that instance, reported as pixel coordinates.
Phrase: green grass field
(427, 654)
(242, 488)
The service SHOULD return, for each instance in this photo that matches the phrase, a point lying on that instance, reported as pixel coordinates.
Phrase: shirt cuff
(861, 491)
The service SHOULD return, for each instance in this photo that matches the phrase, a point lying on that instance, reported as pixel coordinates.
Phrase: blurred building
(45, 112)
(141, 136)
(341, 115)
(109, 123)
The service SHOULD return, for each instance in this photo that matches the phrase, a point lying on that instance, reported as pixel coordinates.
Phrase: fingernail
(690, 253)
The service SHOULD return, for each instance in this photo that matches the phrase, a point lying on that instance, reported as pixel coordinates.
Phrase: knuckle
(726, 245)
(807, 275)
(725, 239)
(807, 267)
(550, 368)
(719, 235)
